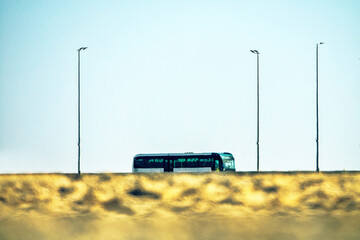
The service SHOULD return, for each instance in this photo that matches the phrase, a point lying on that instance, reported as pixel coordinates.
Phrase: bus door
(169, 165)
(217, 165)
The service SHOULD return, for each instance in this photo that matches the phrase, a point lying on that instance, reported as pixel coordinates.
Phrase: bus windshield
(228, 162)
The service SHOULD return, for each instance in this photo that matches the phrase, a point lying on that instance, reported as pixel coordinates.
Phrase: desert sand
(293, 205)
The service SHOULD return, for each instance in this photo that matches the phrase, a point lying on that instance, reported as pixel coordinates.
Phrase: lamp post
(79, 50)
(257, 139)
(317, 105)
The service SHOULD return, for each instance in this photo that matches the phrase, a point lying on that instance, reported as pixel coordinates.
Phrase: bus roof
(177, 154)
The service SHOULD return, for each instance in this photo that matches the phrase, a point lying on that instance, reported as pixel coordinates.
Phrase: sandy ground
(181, 206)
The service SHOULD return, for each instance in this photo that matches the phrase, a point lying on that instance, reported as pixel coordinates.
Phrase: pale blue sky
(178, 76)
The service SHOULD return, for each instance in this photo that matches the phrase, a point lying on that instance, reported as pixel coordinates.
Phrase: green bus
(184, 162)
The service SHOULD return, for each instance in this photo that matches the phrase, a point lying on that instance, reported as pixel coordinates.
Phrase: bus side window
(202, 162)
(179, 163)
(205, 162)
(139, 163)
(159, 163)
(192, 162)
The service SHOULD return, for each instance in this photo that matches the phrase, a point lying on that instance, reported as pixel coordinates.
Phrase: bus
(183, 162)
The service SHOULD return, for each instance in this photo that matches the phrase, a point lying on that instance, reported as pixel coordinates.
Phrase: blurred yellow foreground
(181, 206)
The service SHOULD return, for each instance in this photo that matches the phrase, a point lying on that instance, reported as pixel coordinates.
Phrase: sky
(178, 76)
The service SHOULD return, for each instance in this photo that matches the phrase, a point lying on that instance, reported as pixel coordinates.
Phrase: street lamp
(317, 105)
(257, 140)
(79, 50)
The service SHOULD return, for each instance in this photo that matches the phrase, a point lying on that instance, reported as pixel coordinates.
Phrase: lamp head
(254, 51)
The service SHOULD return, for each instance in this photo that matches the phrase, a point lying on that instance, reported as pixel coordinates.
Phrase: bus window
(157, 163)
(179, 163)
(148, 163)
(205, 162)
(139, 163)
(192, 162)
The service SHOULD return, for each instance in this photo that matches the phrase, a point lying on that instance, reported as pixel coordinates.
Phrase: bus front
(228, 161)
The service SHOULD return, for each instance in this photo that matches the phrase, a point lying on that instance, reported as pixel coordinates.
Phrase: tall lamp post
(79, 50)
(317, 105)
(257, 139)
